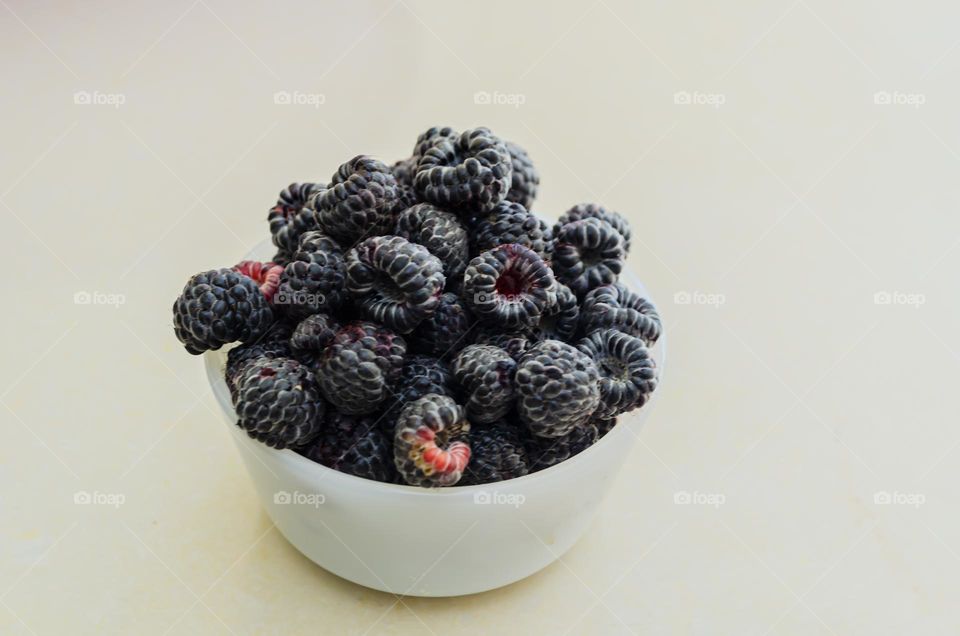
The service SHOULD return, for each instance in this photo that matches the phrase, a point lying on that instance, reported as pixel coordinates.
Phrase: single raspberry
(509, 286)
(472, 171)
(616, 307)
(240, 357)
(359, 202)
(218, 307)
(526, 179)
(278, 402)
(354, 445)
(447, 331)
(514, 343)
(497, 453)
(432, 442)
(544, 453)
(291, 216)
(313, 334)
(628, 373)
(512, 223)
(588, 254)
(360, 366)
(398, 283)
(594, 211)
(604, 426)
(558, 386)
(313, 281)
(560, 321)
(440, 232)
(420, 376)
(267, 276)
(485, 373)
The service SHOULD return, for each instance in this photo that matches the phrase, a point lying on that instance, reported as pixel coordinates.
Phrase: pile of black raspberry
(421, 324)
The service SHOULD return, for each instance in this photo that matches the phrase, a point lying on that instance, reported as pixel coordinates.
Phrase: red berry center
(266, 275)
(510, 284)
(430, 454)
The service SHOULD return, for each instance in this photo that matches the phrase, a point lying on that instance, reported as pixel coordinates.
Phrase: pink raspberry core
(439, 460)
(267, 275)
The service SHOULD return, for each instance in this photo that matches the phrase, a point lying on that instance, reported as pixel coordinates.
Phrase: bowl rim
(214, 372)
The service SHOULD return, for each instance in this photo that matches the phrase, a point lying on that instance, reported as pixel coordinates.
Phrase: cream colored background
(798, 399)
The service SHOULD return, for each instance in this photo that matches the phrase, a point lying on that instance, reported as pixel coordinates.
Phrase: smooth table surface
(790, 172)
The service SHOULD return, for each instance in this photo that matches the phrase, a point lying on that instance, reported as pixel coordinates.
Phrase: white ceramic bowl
(431, 542)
